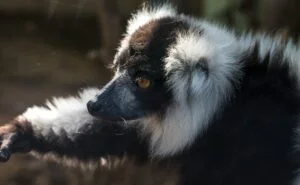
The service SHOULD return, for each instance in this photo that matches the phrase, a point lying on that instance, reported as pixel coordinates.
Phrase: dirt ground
(41, 58)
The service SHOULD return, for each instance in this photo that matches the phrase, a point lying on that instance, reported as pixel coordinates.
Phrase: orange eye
(143, 82)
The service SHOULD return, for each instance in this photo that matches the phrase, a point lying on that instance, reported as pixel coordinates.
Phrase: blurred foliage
(272, 16)
(227, 12)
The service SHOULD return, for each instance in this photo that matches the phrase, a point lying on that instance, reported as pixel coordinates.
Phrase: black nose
(93, 107)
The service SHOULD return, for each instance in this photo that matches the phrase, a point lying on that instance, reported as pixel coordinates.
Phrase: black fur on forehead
(156, 34)
(149, 43)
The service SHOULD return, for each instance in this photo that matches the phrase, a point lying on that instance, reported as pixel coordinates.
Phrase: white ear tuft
(146, 14)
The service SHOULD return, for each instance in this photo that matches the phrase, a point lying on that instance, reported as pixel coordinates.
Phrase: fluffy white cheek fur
(184, 120)
(198, 94)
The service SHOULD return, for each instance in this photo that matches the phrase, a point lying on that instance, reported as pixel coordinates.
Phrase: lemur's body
(224, 107)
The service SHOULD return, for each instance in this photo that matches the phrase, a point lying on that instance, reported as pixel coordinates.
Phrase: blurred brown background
(54, 47)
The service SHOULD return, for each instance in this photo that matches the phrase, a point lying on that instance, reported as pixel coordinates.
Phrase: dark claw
(4, 155)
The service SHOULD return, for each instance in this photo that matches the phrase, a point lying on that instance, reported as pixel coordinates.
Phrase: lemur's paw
(5, 154)
(14, 137)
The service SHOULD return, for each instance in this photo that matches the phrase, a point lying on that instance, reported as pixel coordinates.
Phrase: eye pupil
(143, 82)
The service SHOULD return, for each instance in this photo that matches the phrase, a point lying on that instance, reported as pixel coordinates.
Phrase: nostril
(92, 107)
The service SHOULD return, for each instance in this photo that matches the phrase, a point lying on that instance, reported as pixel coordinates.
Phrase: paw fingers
(5, 149)
(4, 154)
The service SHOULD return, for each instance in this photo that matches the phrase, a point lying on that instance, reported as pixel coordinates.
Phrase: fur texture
(63, 130)
(222, 105)
(62, 114)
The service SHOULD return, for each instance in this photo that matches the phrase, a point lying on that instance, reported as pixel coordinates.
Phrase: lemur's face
(139, 86)
(172, 74)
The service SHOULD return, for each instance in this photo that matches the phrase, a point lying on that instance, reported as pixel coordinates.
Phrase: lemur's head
(172, 72)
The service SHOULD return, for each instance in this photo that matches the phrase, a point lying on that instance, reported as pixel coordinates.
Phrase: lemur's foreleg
(65, 128)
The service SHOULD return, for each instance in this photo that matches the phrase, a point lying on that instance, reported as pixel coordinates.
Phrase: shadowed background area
(55, 47)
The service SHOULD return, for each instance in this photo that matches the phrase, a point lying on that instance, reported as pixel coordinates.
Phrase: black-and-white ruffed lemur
(224, 106)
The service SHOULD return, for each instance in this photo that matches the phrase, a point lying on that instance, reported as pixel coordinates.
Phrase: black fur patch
(92, 141)
(252, 140)
(144, 57)
(148, 45)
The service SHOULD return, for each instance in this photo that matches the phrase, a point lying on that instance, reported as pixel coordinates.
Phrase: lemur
(225, 106)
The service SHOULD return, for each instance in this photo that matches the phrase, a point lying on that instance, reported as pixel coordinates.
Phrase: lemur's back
(255, 140)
